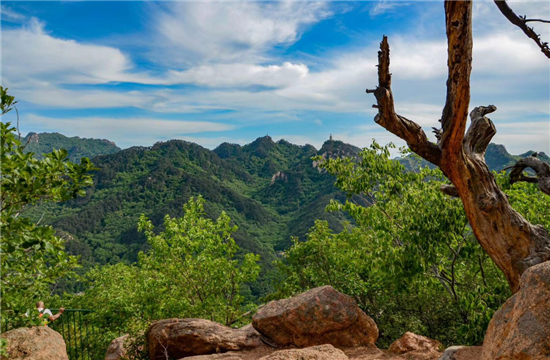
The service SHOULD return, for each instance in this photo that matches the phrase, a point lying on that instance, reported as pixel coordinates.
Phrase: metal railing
(84, 339)
(79, 334)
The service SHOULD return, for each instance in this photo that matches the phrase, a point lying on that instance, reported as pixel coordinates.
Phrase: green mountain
(41, 143)
(271, 190)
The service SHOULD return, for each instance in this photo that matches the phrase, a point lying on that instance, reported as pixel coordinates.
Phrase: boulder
(461, 353)
(35, 343)
(319, 316)
(412, 342)
(520, 330)
(179, 338)
(322, 352)
(117, 351)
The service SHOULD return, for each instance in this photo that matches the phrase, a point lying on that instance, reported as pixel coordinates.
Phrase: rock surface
(321, 352)
(224, 356)
(520, 330)
(116, 350)
(319, 316)
(179, 338)
(462, 353)
(412, 342)
(36, 343)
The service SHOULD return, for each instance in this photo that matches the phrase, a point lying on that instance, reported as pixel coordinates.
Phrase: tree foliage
(411, 261)
(32, 256)
(191, 270)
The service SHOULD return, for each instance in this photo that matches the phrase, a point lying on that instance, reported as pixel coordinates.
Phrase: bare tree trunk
(511, 241)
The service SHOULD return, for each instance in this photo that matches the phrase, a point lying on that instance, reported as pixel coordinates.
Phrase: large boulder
(322, 352)
(319, 316)
(412, 342)
(520, 330)
(116, 350)
(179, 338)
(35, 343)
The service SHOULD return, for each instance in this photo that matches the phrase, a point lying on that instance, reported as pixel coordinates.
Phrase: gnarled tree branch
(541, 168)
(521, 22)
(480, 132)
(406, 129)
(449, 190)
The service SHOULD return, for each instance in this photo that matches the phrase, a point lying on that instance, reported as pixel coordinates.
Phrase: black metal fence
(84, 339)
(80, 334)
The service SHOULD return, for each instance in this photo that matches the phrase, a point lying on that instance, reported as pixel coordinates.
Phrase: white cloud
(123, 131)
(191, 32)
(384, 6)
(238, 75)
(33, 55)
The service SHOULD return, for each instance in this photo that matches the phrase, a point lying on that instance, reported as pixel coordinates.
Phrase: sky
(139, 72)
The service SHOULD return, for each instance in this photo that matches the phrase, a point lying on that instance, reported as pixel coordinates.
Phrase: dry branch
(406, 129)
(521, 22)
(541, 168)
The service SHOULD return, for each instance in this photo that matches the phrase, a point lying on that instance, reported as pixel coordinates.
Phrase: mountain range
(271, 190)
(77, 147)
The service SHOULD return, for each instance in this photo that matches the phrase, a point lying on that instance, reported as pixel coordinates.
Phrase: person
(47, 313)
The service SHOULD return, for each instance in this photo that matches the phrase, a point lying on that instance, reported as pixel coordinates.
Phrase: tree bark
(511, 241)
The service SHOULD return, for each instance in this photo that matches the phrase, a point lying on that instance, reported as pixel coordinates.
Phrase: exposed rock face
(322, 352)
(36, 343)
(462, 353)
(319, 316)
(181, 338)
(412, 342)
(116, 351)
(520, 330)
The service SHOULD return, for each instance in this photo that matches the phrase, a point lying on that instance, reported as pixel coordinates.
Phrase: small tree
(32, 257)
(195, 259)
(512, 242)
(191, 270)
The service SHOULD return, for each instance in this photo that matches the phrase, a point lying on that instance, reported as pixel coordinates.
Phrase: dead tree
(512, 242)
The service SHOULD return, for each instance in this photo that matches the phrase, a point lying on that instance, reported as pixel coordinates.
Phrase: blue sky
(139, 72)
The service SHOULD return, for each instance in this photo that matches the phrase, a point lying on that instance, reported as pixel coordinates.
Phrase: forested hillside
(271, 190)
(40, 143)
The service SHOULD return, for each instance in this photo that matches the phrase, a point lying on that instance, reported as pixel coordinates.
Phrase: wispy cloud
(10, 15)
(385, 6)
(203, 32)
